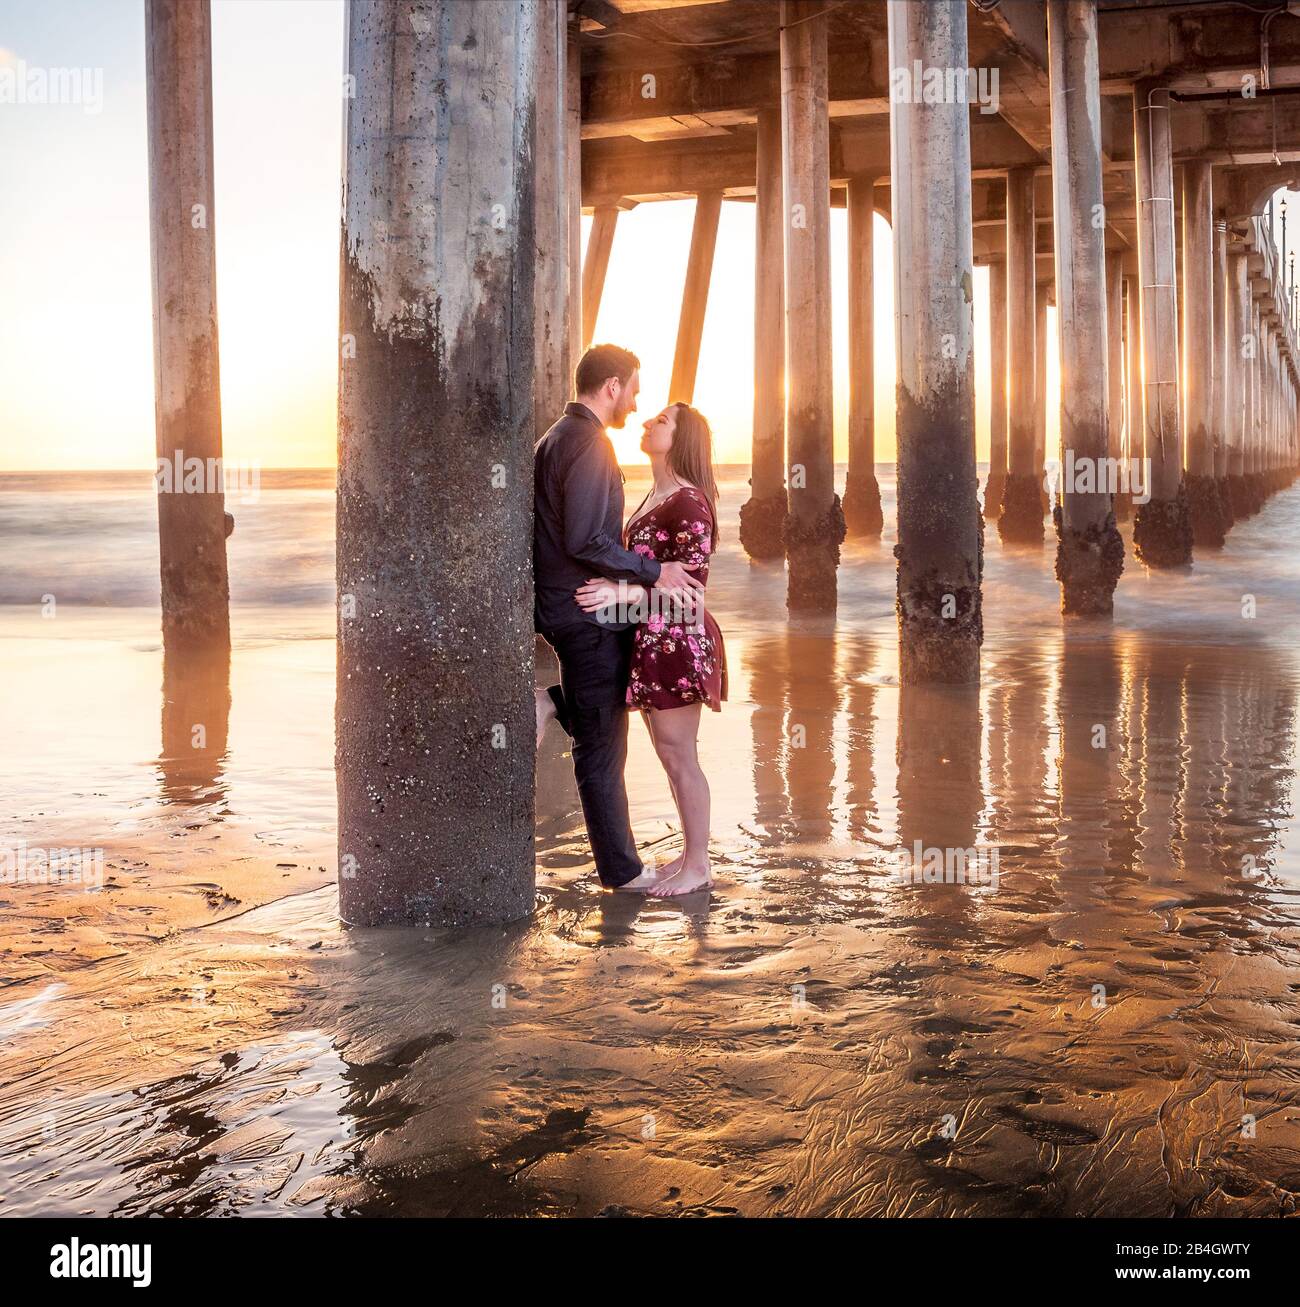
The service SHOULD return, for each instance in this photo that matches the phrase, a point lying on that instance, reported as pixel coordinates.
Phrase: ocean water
(1108, 1026)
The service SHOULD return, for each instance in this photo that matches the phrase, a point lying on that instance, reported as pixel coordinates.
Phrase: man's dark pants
(591, 705)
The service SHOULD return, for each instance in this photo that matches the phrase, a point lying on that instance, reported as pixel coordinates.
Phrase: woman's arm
(600, 593)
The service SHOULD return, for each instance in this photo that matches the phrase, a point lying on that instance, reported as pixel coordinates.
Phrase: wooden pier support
(940, 530)
(1042, 298)
(995, 486)
(862, 514)
(1090, 552)
(1162, 531)
(187, 390)
(555, 361)
(815, 526)
(1115, 356)
(1198, 355)
(1222, 398)
(1021, 518)
(1255, 428)
(1132, 396)
(1247, 351)
(762, 516)
(434, 717)
(573, 167)
(695, 297)
(600, 243)
(1269, 426)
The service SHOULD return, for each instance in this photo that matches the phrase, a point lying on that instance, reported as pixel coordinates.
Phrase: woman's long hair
(691, 455)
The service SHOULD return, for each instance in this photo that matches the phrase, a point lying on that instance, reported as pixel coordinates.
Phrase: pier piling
(434, 715)
(1089, 553)
(187, 386)
(815, 525)
(763, 515)
(940, 531)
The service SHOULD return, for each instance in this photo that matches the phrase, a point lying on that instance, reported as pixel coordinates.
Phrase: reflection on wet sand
(1109, 1029)
(195, 724)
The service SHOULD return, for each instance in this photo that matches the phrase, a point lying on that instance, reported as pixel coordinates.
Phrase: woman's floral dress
(676, 659)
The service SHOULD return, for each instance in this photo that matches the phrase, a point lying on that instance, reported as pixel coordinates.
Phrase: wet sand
(816, 1037)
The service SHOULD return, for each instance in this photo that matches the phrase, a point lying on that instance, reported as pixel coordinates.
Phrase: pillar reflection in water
(941, 802)
(814, 731)
(863, 739)
(767, 665)
(814, 697)
(1089, 736)
(195, 723)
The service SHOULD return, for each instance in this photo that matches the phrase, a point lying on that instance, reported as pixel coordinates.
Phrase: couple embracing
(622, 605)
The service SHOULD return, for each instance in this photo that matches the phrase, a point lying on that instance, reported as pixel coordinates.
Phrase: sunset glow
(76, 364)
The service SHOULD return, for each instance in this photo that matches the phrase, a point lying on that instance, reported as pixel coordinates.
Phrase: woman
(678, 661)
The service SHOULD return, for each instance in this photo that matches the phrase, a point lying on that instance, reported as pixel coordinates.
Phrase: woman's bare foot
(642, 884)
(686, 880)
(669, 868)
(545, 706)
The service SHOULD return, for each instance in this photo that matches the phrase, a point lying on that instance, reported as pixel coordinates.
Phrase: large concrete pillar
(995, 486)
(434, 715)
(554, 367)
(1041, 298)
(1021, 518)
(762, 518)
(573, 166)
(600, 242)
(1237, 367)
(815, 526)
(1257, 400)
(940, 531)
(1268, 429)
(1162, 530)
(1089, 553)
(1132, 394)
(187, 388)
(862, 513)
(1250, 347)
(695, 297)
(1254, 451)
(1198, 354)
(1115, 355)
(1270, 407)
(1221, 382)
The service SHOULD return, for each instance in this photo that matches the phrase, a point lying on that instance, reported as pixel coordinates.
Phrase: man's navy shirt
(578, 520)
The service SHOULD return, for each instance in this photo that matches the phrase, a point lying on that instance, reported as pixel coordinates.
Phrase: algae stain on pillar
(434, 718)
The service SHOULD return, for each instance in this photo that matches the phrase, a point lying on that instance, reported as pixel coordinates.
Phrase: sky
(76, 348)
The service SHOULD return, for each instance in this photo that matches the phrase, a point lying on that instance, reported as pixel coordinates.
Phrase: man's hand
(675, 579)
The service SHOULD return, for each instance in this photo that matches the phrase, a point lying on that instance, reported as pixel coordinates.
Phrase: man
(577, 534)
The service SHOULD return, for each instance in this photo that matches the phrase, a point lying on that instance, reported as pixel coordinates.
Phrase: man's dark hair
(600, 363)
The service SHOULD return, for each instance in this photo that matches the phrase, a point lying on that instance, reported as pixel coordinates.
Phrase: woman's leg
(669, 868)
(545, 707)
(674, 732)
